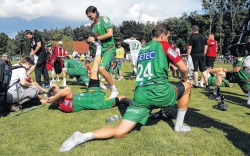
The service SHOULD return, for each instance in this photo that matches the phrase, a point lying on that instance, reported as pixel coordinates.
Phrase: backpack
(5, 76)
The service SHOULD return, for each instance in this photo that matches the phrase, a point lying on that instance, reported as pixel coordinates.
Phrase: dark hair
(195, 28)
(92, 9)
(67, 57)
(26, 60)
(87, 61)
(159, 29)
(26, 32)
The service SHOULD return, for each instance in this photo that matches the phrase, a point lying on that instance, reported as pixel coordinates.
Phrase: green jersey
(99, 28)
(114, 71)
(152, 64)
(71, 63)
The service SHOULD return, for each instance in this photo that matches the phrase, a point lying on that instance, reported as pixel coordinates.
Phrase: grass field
(214, 132)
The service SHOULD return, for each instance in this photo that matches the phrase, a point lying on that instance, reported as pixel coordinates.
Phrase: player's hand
(51, 99)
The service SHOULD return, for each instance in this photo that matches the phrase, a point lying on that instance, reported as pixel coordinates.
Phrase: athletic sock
(76, 139)
(216, 92)
(179, 127)
(113, 88)
(64, 81)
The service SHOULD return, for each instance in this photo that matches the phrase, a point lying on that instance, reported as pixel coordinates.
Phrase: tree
(3, 43)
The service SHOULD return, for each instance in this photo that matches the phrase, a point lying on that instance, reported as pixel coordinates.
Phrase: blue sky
(18, 15)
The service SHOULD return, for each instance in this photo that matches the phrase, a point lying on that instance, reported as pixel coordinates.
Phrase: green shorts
(149, 97)
(78, 71)
(92, 99)
(107, 57)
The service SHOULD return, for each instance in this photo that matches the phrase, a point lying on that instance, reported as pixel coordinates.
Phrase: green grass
(214, 132)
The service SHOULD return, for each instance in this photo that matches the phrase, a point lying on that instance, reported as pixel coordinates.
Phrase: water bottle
(112, 118)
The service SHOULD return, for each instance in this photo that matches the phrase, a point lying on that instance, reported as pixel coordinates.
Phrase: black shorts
(210, 61)
(234, 78)
(180, 87)
(199, 61)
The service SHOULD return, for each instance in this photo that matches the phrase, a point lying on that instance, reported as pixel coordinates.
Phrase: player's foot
(207, 87)
(194, 86)
(221, 106)
(160, 115)
(72, 142)
(182, 129)
(114, 94)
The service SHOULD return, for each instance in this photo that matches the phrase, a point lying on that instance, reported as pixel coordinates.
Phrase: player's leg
(107, 57)
(104, 133)
(248, 102)
(183, 101)
(64, 73)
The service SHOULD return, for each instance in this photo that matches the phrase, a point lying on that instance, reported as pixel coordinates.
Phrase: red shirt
(172, 55)
(212, 48)
(60, 52)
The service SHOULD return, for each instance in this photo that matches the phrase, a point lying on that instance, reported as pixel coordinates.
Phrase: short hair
(87, 61)
(92, 9)
(195, 28)
(67, 57)
(26, 60)
(27, 32)
(159, 29)
(8, 56)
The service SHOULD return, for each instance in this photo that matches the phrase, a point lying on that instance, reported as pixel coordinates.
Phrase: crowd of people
(150, 63)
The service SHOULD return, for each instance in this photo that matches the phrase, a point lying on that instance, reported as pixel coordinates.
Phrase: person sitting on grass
(153, 90)
(211, 78)
(75, 69)
(115, 70)
(94, 98)
(21, 88)
(240, 75)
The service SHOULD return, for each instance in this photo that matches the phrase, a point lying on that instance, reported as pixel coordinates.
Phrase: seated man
(240, 75)
(75, 69)
(211, 77)
(21, 89)
(115, 70)
(153, 90)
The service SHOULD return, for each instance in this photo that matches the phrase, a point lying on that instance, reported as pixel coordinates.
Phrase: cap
(60, 42)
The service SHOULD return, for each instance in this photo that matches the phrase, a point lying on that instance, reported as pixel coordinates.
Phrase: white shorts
(133, 59)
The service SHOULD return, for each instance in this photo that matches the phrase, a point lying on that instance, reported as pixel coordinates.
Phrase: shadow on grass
(229, 97)
(240, 139)
(27, 106)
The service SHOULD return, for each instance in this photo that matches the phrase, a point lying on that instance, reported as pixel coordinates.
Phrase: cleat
(160, 115)
(215, 97)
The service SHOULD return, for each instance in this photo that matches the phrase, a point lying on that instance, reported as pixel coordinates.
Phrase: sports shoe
(221, 106)
(114, 94)
(182, 129)
(103, 86)
(160, 115)
(215, 97)
(194, 86)
(207, 87)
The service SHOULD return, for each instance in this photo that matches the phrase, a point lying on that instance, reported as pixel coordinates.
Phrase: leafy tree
(3, 43)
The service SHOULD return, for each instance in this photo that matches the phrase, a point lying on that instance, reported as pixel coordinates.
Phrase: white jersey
(134, 45)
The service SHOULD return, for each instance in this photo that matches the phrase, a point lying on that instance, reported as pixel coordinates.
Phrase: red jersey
(212, 48)
(172, 55)
(67, 105)
(60, 52)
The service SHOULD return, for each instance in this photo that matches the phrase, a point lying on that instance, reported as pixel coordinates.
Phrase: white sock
(113, 88)
(64, 81)
(76, 139)
(179, 127)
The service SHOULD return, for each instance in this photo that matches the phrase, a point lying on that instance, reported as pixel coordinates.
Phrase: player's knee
(120, 135)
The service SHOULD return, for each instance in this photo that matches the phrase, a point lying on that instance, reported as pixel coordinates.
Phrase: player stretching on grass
(153, 90)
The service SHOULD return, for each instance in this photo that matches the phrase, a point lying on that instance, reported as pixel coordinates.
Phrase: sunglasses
(60, 45)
